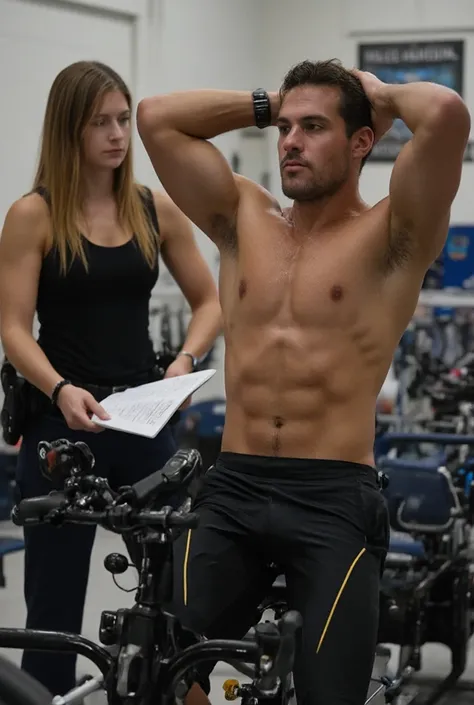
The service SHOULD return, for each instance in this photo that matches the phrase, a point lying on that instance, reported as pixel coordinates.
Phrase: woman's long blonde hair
(74, 96)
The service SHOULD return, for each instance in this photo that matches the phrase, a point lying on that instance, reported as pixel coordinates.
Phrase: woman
(82, 251)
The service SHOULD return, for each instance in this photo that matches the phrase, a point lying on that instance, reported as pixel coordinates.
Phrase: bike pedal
(231, 689)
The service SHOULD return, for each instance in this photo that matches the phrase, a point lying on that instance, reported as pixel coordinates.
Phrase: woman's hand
(181, 366)
(77, 406)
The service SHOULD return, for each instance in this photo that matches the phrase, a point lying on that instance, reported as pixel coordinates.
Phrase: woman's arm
(23, 243)
(187, 266)
(22, 247)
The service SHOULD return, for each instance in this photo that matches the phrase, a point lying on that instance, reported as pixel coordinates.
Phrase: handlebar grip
(190, 520)
(36, 507)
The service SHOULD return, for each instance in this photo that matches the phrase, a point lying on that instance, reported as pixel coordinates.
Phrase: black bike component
(289, 627)
(89, 499)
(40, 640)
(277, 643)
(120, 519)
(214, 650)
(61, 459)
(177, 474)
(110, 628)
(37, 508)
(116, 563)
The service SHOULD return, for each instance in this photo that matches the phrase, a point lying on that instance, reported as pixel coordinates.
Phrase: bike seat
(404, 544)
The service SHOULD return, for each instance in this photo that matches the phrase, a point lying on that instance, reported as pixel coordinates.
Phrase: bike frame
(171, 671)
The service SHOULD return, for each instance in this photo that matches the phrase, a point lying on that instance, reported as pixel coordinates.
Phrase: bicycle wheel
(18, 688)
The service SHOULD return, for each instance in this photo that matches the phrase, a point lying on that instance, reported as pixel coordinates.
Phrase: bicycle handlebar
(120, 518)
(87, 499)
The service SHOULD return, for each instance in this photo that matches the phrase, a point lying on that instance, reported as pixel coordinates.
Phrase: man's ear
(362, 142)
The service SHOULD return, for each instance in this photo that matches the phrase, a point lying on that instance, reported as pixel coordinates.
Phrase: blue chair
(206, 416)
(421, 495)
(201, 426)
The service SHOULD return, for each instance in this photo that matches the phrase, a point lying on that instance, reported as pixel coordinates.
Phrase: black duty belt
(40, 403)
(100, 392)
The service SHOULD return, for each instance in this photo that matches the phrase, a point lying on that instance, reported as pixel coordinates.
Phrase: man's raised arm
(427, 172)
(176, 129)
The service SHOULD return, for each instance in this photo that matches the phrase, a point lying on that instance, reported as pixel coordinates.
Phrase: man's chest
(313, 284)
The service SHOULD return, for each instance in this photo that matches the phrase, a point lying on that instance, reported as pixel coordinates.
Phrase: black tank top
(94, 325)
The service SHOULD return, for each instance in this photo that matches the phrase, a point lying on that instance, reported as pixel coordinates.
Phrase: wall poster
(404, 62)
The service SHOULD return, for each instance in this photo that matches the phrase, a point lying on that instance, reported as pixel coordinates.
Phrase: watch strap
(262, 108)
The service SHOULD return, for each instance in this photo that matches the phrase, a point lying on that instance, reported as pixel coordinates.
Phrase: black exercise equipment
(155, 657)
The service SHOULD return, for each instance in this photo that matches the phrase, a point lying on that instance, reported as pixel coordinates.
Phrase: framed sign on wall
(405, 62)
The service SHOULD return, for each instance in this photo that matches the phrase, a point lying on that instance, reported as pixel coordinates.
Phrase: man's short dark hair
(355, 107)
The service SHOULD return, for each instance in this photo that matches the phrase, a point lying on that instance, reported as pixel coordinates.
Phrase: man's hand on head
(375, 90)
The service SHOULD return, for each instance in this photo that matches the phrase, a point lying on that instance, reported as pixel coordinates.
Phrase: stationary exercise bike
(152, 659)
(429, 568)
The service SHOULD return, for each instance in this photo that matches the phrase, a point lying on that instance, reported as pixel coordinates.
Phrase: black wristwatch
(262, 108)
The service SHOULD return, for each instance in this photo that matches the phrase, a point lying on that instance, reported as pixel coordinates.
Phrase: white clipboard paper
(146, 409)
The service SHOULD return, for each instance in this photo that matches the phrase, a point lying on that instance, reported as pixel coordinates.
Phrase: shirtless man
(314, 301)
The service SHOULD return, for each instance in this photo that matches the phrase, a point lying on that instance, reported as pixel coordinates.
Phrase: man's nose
(292, 141)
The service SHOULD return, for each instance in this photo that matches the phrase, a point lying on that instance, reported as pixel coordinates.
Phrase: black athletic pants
(57, 559)
(326, 524)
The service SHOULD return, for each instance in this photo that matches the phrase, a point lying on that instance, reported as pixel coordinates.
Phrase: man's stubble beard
(314, 189)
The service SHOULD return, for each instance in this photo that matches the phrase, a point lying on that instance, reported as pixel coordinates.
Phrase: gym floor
(103, 594)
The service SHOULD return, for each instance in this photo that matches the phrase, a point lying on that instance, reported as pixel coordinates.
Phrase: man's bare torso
(311, 324)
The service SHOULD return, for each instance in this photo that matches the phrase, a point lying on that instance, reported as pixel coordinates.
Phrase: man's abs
(301, 395)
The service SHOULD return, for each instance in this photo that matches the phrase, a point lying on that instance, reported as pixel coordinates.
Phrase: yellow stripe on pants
(338, 597)
(185, 568)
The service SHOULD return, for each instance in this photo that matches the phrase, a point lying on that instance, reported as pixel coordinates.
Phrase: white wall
(317, 29)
